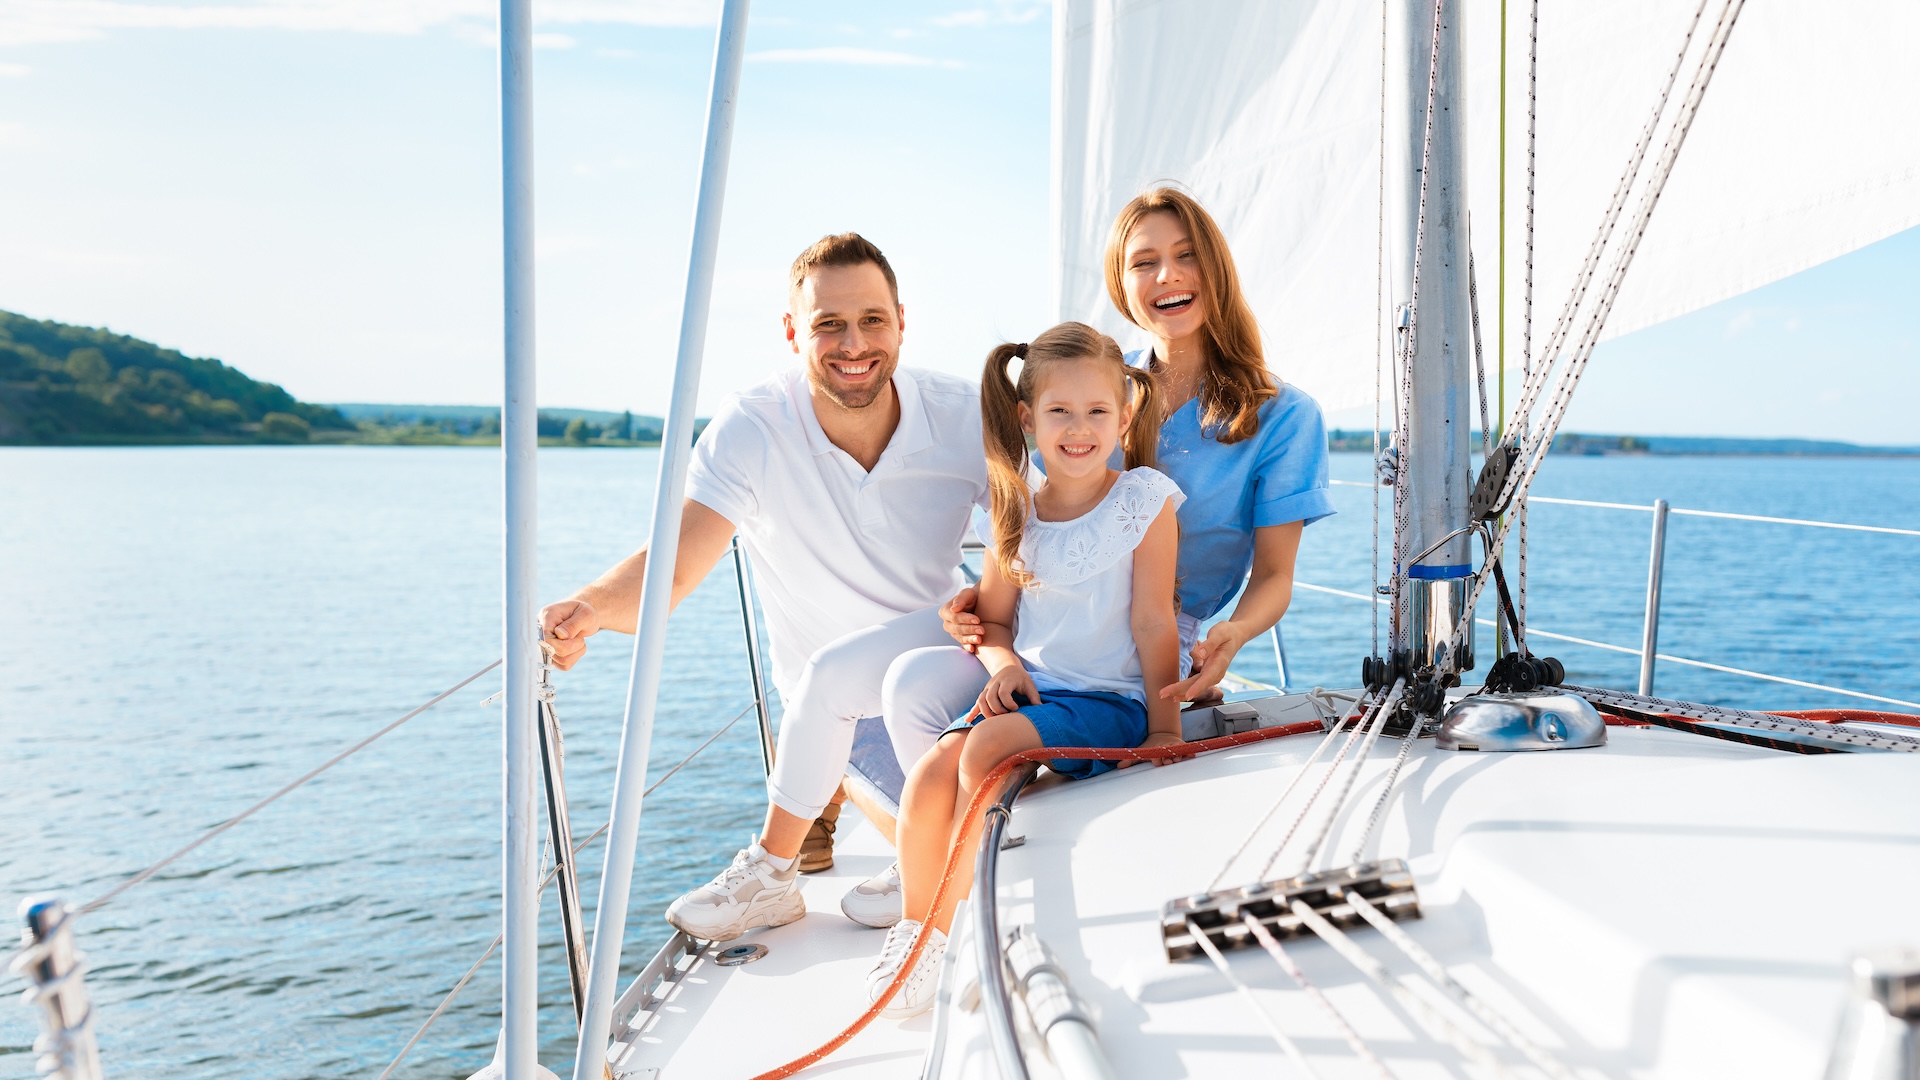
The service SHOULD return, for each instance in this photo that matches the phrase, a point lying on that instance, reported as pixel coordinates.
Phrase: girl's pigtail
(1006, 447)
(1141, 440)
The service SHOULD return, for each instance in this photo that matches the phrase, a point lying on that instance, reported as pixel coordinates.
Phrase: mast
(519, 443)
(656, 591)
(1434, 469)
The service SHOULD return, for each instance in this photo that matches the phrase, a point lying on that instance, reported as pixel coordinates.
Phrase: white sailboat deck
(1658, 907)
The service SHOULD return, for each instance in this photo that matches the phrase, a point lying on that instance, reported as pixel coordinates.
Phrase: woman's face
(1162, 278)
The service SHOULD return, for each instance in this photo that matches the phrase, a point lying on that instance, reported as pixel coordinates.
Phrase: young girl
(1086, 563)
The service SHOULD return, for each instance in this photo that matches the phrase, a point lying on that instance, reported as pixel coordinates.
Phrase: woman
(1249, 452)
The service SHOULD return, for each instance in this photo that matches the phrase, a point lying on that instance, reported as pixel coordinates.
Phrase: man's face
(845, 323)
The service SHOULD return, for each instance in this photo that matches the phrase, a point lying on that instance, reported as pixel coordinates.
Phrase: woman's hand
(1211, 657)
(999, 698)
(959, 621)
(1159, 738)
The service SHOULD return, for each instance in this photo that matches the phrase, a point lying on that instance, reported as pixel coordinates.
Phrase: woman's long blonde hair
(1237, 381)
(1006, 441)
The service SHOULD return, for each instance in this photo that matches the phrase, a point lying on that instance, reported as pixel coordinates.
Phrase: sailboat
(1459, 865)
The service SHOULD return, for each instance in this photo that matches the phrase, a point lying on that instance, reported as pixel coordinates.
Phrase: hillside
(76, 385)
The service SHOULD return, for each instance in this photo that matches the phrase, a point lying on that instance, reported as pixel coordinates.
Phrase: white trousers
(840, 685)
(927, 689)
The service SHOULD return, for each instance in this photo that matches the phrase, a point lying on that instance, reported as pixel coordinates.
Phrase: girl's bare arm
(1155, 633)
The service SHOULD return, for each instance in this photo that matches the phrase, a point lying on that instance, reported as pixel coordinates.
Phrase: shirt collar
(911, 435)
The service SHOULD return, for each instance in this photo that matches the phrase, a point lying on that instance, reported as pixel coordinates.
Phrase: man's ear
(786, 321)
(900, 312)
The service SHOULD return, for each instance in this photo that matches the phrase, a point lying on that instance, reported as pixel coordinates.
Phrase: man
(851, 483)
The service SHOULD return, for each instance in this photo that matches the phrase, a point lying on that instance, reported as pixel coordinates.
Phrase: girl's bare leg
(988, 743)
(926, 823)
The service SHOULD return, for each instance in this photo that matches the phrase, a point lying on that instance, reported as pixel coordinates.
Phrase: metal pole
(750, 623)
(656, 593)
(67, 1050)
(519, 443)
(1436, 462)
(1280, 656)
(566, 867)
(1650, 630)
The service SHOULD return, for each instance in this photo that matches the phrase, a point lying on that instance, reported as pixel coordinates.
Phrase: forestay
(1271, 113)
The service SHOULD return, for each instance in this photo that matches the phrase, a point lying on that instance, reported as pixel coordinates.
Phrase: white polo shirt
(837, 548)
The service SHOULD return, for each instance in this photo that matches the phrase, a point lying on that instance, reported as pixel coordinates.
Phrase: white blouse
(1076, 619)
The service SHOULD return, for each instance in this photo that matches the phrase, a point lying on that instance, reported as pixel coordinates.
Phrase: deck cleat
(1221, 915)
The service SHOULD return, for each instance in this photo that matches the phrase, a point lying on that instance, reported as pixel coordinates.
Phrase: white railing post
(519, 443)
(656, 593)
(1650, 628)
(49, 960)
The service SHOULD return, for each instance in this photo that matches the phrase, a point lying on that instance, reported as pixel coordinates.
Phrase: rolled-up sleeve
(1291, 473)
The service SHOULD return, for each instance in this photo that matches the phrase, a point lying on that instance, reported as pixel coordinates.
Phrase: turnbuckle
(1221, 915)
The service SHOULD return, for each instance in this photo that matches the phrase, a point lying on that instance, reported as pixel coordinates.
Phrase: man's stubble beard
(856, 400)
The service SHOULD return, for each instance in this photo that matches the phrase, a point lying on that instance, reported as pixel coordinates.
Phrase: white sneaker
(747, 894)
(876, 901)
(916, 995)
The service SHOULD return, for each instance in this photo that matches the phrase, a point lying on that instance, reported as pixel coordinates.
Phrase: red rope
(1822, 716)
(964, 842)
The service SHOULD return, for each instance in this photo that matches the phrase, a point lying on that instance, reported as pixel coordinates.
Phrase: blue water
(186, 629)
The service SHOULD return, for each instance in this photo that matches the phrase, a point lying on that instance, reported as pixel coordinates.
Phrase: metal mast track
(676, 446)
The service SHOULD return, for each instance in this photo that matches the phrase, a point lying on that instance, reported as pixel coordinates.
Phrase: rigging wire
(577, 849)
(1272, 945)
(1526, 332)
(1481, 1011)
(1403, 506)
(1435, 1021)
(104, 898)
(1538, 444)
(1291, 1048)
(1375, 709)
(1333, 730)
(1380, 307)
(1387, 709)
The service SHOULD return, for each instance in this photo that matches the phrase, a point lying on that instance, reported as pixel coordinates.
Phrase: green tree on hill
(75, 384)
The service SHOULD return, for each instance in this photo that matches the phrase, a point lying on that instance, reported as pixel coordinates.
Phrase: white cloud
(13, 71)
(1007, 12)
(843, 54)
(553, 41)
(26, 22)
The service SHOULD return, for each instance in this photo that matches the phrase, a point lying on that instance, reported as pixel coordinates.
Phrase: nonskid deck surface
(1664, 906)
(731, 1023)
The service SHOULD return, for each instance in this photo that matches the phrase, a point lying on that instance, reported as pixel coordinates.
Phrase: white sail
(1270, 113)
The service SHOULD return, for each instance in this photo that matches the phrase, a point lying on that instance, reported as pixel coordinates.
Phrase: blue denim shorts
(1081, 718)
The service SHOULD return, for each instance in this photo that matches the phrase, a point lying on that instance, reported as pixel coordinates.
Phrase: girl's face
(1078, 411)
(1162, 279)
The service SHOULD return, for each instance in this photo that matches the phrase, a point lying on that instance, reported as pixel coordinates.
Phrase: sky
(309, 191)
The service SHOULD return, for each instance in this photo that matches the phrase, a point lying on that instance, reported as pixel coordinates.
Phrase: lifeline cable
(970, 822)
(243, 815)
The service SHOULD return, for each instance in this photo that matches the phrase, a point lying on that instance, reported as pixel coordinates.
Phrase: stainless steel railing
(1656, 558)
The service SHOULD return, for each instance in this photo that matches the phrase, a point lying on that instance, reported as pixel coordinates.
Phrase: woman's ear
(1026, 417)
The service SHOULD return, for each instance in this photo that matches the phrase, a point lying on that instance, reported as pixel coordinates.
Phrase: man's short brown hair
(845, 249)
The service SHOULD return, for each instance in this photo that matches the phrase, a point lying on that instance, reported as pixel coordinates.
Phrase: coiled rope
(963, 843)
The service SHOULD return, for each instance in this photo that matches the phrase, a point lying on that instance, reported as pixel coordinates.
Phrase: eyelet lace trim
(1066, 552)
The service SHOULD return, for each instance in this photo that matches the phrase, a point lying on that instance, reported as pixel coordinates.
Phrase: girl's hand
(1159, 738)
(999, 698)
(959, 621)
(1211, 657)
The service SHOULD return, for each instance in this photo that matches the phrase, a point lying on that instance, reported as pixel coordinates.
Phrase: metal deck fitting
(1220, 915)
